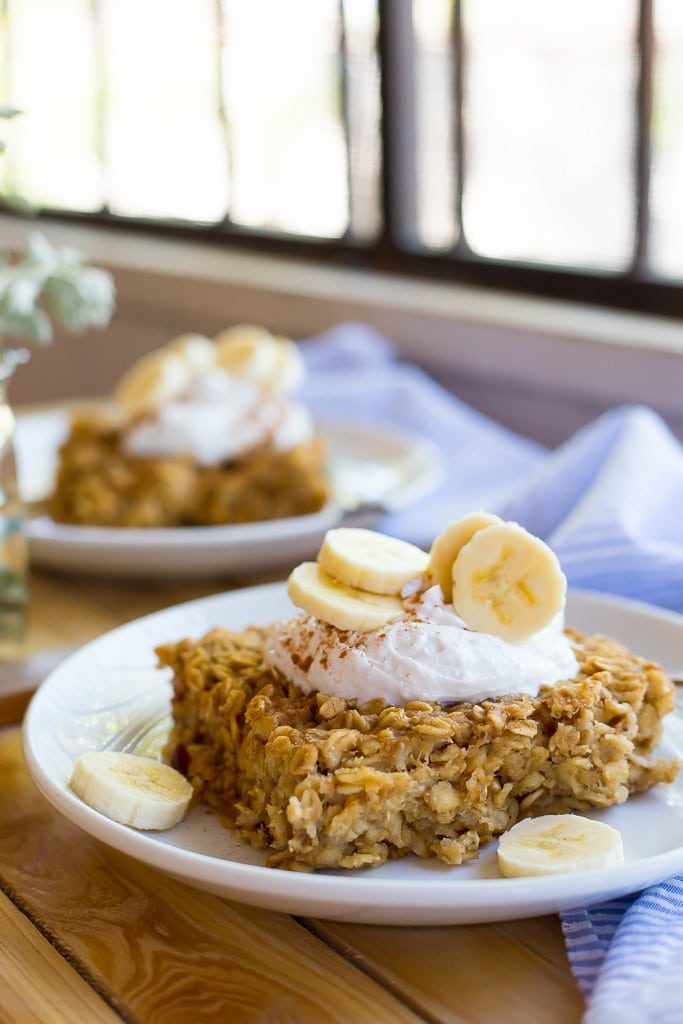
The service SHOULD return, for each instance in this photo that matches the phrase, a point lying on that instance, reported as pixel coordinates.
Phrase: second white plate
(109, 695)
(371, 464)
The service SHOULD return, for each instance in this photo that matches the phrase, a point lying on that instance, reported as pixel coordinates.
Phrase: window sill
(531, 343)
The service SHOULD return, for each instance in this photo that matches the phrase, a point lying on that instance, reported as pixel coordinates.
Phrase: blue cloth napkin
(627, 956)
(610, 503)
(603, 500)
(355, 377)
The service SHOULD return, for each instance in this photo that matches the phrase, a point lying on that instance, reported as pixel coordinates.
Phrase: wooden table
(86, 934)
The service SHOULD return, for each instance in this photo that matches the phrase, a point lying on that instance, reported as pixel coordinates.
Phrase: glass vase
(13, 546)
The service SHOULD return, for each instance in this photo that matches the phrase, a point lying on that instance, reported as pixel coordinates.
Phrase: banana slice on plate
(156, 378)
(254, 354)
(450, 542)
(311, 588)
(199, 352)
(137, 791)
(507, 582)
(370, 561)
(248, 352)
(556, 843)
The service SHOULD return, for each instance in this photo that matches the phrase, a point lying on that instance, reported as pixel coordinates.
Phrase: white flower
(48, 280)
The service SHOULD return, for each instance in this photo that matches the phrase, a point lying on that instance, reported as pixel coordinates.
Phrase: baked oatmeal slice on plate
(322, 781)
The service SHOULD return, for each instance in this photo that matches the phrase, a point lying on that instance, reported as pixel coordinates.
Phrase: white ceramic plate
(366, 463)
(109, 695)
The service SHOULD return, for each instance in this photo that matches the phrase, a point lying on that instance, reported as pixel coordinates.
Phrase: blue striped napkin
(627, 956)
(610, 503)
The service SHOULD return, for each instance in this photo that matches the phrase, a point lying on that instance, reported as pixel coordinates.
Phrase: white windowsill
(560, 347)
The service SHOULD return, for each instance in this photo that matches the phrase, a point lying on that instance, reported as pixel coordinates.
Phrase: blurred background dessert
(199, 432)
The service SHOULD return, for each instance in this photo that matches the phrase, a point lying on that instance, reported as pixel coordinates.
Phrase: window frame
(393, 250)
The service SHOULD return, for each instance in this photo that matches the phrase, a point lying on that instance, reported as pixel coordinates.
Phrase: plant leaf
(40, 254)
(48, 281)
(18, 204)
(20, 293)
(13, 357)
(81, 297)
(34, 326)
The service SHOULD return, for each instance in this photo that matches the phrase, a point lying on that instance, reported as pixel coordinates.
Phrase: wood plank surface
(159, 952)
(75, 609)
(37, 985)
(162, 952)
(479, 974)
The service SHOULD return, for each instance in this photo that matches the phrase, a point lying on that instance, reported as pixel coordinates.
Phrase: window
(529, 145)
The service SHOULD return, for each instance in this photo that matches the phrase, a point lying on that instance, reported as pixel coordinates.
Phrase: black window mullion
(343, 58)
(398, 130)
(643, 146)
(458, 50)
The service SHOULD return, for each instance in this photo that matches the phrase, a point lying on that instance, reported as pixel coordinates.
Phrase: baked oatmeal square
(323, 782)
(200, 432)
(100, 484)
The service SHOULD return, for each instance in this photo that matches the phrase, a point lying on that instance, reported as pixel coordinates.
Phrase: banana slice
(137, 791)
(370, 561)
(153, 380)
(556, 843)
(310, 588)
(199, 352)
(507, 582)
(450, 542)
(248, 352)
(252, 353)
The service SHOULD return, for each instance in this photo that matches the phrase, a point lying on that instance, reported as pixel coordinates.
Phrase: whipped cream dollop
(428, 654)
(220, 417)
